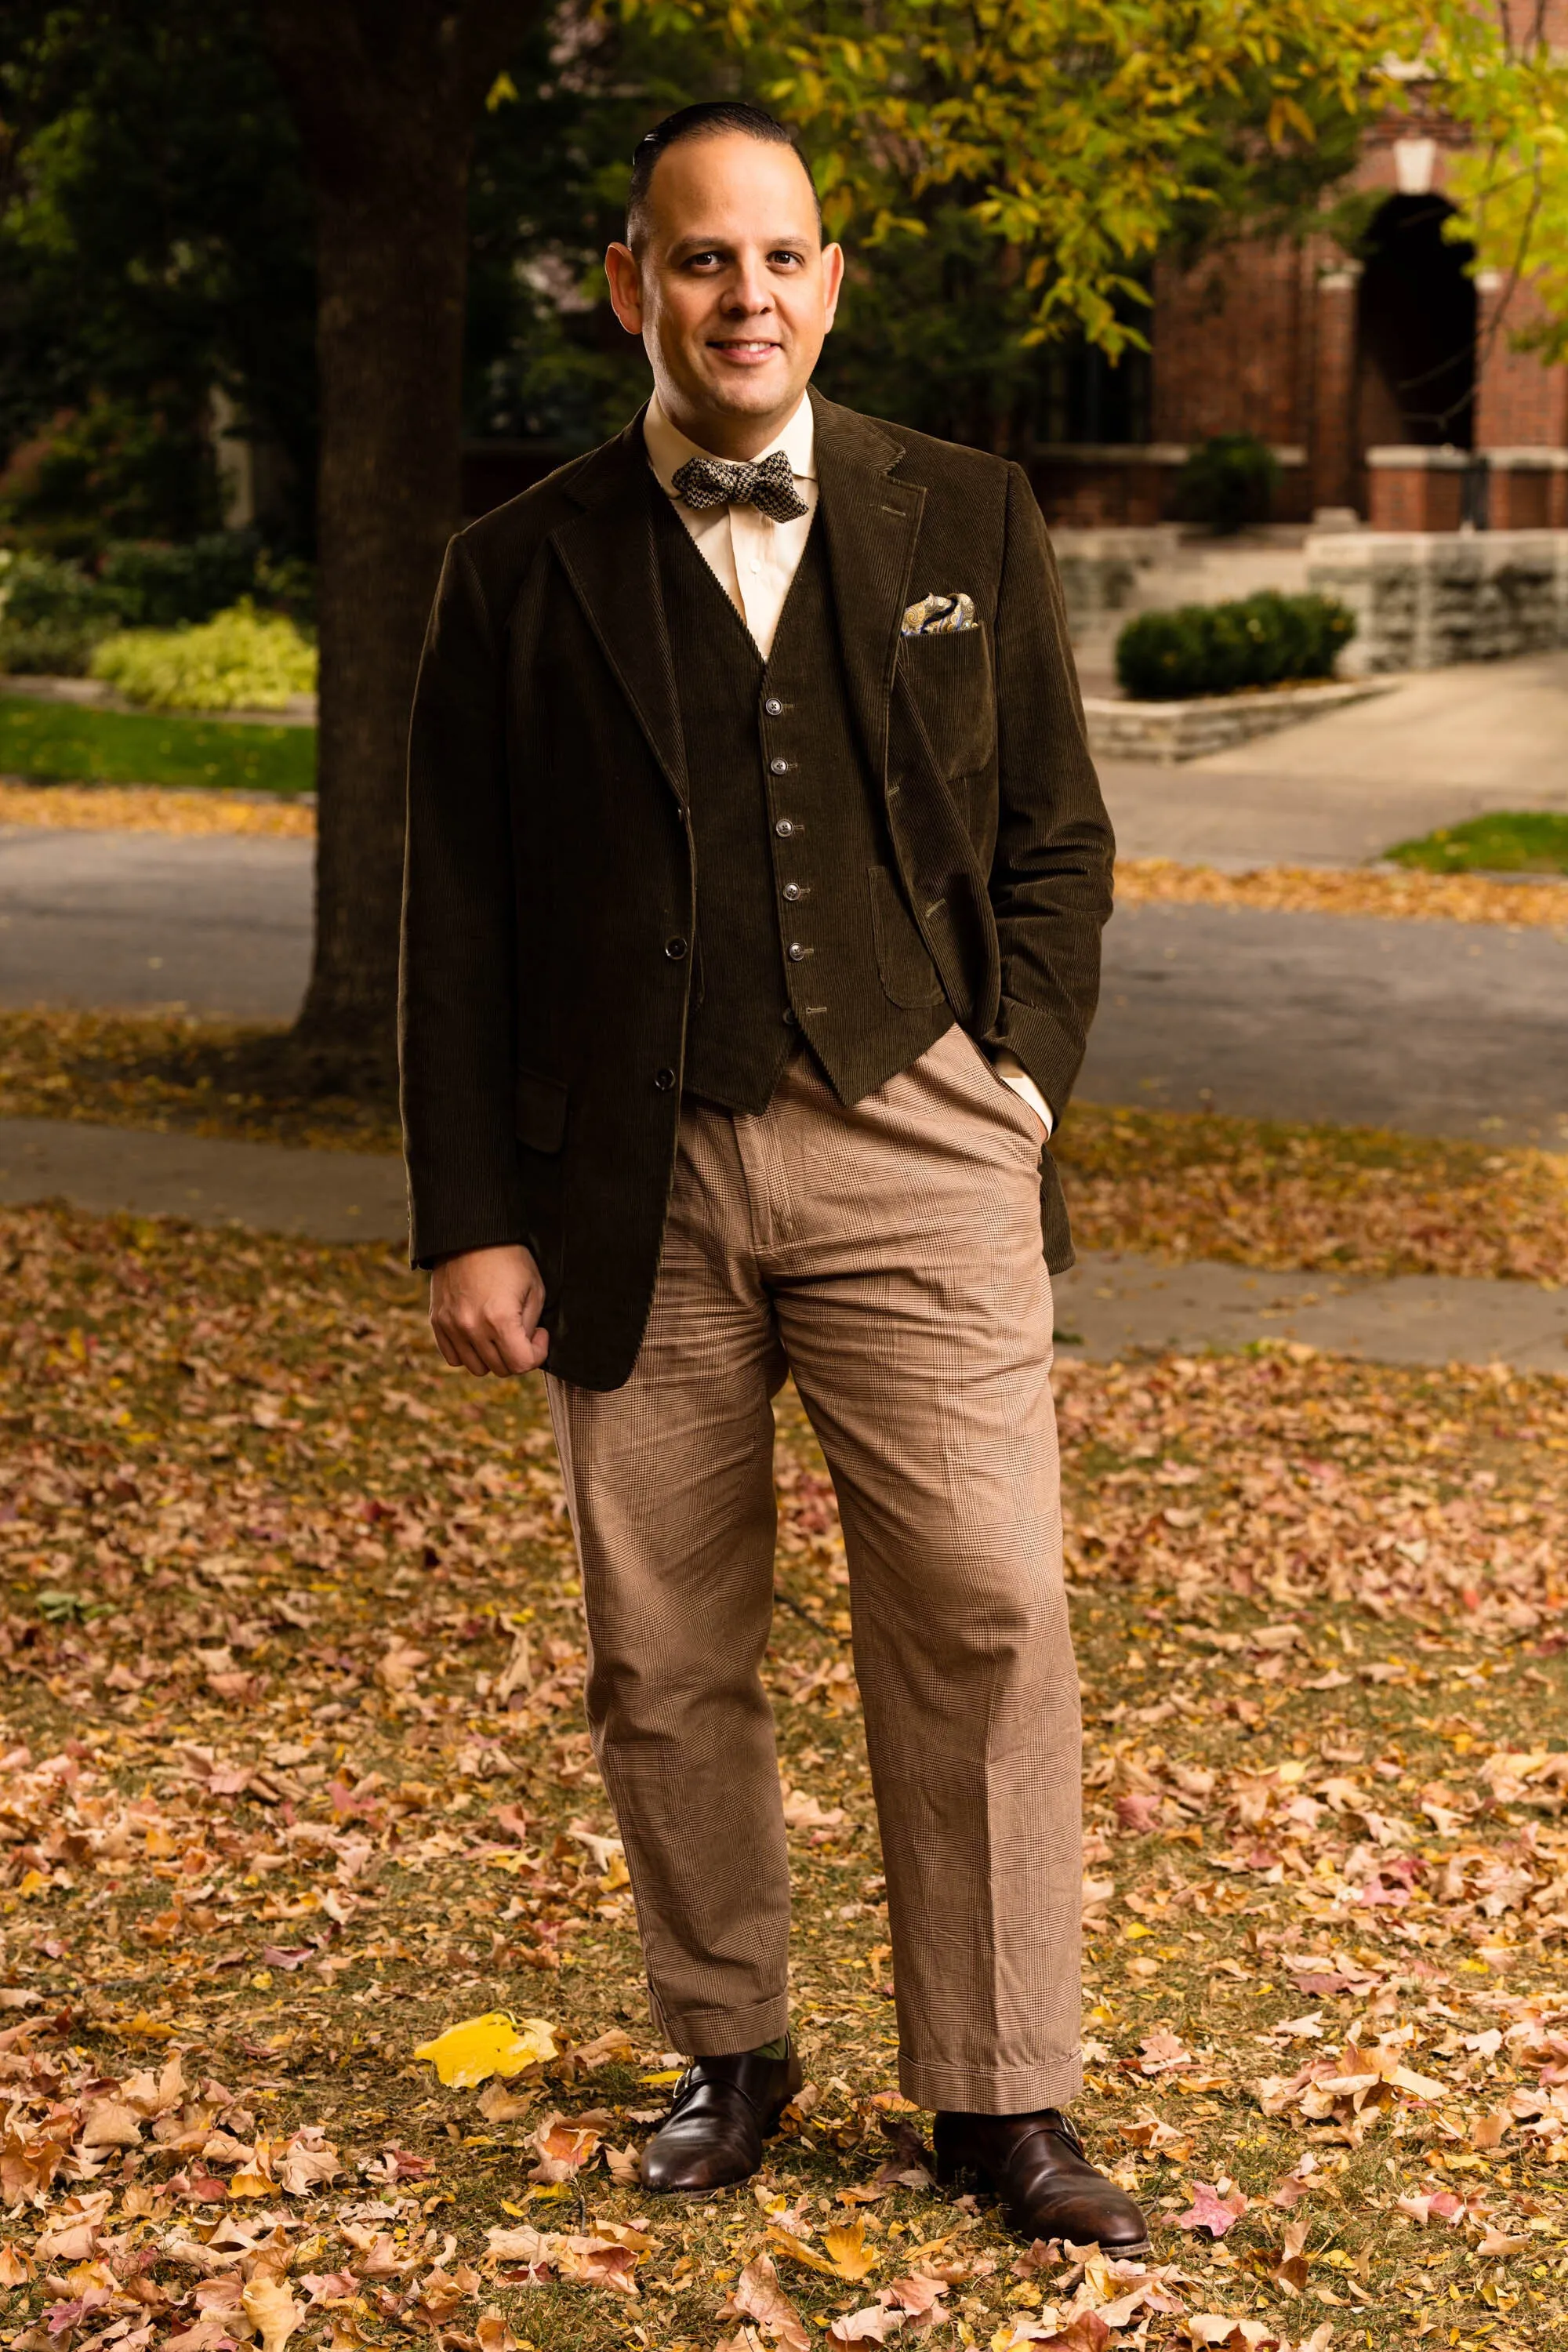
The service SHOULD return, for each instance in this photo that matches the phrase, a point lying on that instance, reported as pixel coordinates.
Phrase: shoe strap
(694, 2080)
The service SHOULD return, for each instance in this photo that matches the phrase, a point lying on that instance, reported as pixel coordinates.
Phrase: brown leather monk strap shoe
(1036, 2165)
(723, 2110)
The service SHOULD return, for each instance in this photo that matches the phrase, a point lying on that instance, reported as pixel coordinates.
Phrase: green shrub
(1220, 648)
(239, 661)
(1229, 482)
(157, 586)
(52, 615)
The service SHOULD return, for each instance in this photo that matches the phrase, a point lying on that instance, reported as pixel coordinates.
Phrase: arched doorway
(1417, 330)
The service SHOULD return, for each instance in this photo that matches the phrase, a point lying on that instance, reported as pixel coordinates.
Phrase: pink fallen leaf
(1139, 1811)
(874, 2324)
(1209, 2210)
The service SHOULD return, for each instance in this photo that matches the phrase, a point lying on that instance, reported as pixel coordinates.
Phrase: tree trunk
(387, 119)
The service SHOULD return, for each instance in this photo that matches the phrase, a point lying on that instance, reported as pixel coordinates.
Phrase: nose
(747, 292)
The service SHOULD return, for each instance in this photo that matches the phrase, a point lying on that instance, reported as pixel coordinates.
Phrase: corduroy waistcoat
(802, 924)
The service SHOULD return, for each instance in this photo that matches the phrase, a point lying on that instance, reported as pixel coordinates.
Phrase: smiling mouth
(743, 348)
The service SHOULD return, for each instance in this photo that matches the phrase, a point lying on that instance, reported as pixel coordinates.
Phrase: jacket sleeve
(457, 995)
(1050, 878)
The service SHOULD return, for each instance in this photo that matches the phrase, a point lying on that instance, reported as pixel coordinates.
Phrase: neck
(723, 434)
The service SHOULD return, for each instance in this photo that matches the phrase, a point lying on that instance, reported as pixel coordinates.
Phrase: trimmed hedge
(1221, 648)
(1227, 482)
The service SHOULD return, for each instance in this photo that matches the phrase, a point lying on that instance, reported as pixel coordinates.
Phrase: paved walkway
(1445, 745)
(216, 923)
(1108, 1305)
(1435, 1028)
(1113, 1303)
(330, 1196)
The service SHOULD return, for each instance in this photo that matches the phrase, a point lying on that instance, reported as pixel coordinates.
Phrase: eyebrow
(684, 247)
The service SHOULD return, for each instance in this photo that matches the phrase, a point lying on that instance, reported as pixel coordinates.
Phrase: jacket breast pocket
(540, 1111)
(947, 676)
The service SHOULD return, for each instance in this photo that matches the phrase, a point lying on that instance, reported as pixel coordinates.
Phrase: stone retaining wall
(1423, 599)
(1185, 731)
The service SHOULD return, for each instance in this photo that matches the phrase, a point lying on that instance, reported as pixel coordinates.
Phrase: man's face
(732, 292)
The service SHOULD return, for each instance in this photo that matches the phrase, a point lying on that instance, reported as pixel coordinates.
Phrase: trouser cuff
(723, 2032)
(973, 2091)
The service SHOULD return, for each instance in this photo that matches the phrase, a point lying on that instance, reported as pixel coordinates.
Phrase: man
(756, 872)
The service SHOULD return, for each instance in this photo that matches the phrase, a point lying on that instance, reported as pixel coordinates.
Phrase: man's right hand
(485, 1306)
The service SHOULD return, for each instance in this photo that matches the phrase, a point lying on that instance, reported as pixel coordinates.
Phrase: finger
(464, 1354)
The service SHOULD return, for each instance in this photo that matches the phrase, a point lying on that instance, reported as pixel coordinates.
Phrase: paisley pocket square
(937, 615)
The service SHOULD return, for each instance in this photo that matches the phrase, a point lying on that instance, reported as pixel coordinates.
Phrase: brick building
(1387, 387)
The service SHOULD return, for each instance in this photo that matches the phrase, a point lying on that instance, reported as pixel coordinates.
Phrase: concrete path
(1435, 1028)
(217, 924)
(1112, 1305)
(1444, 746)
(1439, 1028)
(1107, 1306)
(330, 1196)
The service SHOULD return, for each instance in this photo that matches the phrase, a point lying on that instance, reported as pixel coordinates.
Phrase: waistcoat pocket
(909, 975)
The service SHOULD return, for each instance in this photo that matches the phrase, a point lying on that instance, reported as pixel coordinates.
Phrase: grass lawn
(56, 743)
(295, 1776)
(1507, 842)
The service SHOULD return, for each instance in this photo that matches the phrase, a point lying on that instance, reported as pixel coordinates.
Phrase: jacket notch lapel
(609, 557)
(871, 524)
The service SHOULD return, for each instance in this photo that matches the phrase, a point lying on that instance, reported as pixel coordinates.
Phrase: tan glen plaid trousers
(888, 1255)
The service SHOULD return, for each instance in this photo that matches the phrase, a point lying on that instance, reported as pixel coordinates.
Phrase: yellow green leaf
(472, 2052)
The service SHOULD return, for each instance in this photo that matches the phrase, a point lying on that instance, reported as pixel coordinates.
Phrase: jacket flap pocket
(540, 1111)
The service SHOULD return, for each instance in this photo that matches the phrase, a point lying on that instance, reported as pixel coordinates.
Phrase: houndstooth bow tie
(768, 485)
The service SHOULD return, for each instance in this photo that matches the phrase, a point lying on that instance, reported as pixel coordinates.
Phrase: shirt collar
(668, 448)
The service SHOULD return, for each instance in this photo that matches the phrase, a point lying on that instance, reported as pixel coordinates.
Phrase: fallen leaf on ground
(469, 2053)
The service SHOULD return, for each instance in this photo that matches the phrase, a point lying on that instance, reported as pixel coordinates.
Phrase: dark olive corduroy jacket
(550, 862)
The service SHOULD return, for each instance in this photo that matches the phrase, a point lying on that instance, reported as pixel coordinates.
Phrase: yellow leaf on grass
(798, 2252)
(250, 2184)
(469, 2054)
(272, 2311)
(852, 2258)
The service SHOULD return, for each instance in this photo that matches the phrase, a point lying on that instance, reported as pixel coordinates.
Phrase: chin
(748, 395)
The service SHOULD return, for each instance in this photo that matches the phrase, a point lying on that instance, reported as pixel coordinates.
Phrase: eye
(783, 257)
(704, 260)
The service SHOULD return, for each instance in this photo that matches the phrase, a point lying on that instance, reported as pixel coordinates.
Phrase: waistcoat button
(797, 954)
(773, 706)
(785, 827)
(792, 891)
(664, 1080)
(675, 950)
(779, 767)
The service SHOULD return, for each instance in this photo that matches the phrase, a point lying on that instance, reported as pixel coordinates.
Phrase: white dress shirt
(754, 559)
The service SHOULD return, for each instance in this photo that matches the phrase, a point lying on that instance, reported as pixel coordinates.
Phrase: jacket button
(797, 954)
(664, 1080)
(779, 767)
(675, 950)
(774, 706)
(792, 891)
(785, 827)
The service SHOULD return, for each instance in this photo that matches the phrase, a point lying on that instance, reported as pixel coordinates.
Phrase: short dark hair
(712, 118)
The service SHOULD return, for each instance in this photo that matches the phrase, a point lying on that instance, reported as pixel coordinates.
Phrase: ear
(832, 283)
(625, 287)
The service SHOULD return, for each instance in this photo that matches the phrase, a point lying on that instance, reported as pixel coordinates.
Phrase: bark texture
(386, 96)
